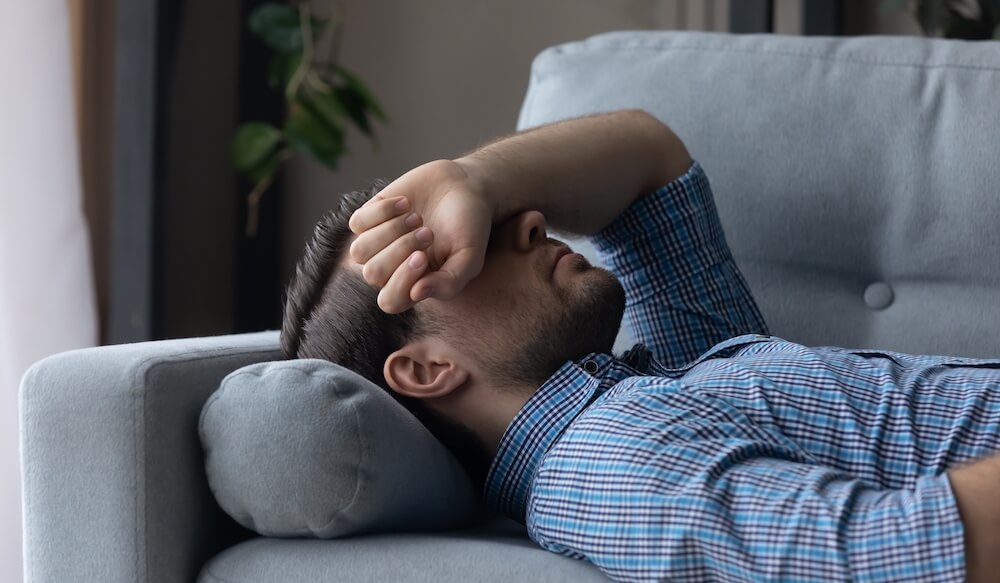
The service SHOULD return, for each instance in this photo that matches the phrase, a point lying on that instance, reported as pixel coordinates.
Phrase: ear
(424, 369)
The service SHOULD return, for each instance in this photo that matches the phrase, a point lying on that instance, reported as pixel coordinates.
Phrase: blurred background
(123, 217)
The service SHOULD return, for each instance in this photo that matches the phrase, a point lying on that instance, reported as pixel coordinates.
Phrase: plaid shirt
(722, 453)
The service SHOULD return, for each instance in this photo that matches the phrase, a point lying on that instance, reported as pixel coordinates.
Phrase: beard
(585, 319)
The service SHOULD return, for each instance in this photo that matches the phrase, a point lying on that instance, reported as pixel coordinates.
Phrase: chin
(582, 319)
(596, 316)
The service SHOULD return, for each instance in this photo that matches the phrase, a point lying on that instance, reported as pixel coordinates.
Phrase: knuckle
(372, 274)
(423, 236)
(448, 289)
(388, 304)
(356, 252)
(406, 222)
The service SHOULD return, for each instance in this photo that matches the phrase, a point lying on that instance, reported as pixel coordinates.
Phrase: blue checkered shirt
(713, 451)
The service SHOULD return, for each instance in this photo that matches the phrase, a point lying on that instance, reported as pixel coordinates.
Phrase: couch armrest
(113, 472)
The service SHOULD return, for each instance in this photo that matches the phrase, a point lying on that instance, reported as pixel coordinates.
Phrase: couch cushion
(857, 179)
(309, 448)
(498, 552)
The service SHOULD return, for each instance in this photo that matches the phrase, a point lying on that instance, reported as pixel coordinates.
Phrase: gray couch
(858, 181)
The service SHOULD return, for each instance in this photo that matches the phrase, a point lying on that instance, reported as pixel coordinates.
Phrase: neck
(485, 411)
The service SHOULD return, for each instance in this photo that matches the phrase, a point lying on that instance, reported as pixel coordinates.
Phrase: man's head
(463, 363)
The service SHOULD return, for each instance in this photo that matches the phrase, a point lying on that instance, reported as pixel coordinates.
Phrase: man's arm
(977, 493)
(580, 173)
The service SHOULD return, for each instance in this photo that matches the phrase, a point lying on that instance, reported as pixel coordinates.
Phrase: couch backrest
(858, 179)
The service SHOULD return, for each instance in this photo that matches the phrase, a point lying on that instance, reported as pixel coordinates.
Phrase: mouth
(561, 252)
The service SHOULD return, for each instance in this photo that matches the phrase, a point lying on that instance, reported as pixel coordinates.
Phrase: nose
(530, 230)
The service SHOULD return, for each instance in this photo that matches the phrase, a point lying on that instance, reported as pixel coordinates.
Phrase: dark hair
(332, 314)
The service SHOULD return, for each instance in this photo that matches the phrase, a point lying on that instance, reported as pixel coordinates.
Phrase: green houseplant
(962, 19)
(322, 98)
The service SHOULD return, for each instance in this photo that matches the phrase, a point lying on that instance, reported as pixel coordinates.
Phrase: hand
(424, 235)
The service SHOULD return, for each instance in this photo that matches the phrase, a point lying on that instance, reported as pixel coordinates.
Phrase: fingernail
(402, 204)
(412, 221)
(423, 235)
(416, 260)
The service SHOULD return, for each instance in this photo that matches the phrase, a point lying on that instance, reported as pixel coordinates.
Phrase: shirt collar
(540, 422)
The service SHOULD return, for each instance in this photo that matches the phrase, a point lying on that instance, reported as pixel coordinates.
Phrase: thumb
(452, 277)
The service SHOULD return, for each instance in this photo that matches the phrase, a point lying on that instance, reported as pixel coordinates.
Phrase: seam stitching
(622, 47)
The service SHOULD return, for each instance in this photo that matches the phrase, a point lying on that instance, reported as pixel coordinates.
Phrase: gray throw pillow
(309, 448)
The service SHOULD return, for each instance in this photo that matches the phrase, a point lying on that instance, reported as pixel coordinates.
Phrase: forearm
(977, 493)
(579, 173)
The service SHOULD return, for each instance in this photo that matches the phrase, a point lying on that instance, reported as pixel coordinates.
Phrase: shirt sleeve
(747, 518)
(684, 293)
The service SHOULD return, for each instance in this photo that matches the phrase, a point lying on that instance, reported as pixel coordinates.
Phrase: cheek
(510, 292)
(502, 286)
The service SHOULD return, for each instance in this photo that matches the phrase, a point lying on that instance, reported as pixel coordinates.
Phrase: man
(712, 452)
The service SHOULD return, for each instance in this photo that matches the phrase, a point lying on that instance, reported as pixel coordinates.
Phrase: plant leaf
(277, 25)
(326, 107)
(358, 86)
(929, 16)
(306, 132)
(958, 27)
(266, 168)
(354, 106)
(281, 68)
(254, 142)
(990, 10)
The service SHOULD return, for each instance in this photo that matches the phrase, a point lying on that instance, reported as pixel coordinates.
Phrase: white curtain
(46, 283)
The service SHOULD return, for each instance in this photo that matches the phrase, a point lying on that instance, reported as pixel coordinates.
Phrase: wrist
(480, 183)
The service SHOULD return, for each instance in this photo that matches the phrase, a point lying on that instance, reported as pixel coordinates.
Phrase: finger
(448, 281)
(380, 268)
(377, 213)
(395, 296)
(371, 242)
(380, 195)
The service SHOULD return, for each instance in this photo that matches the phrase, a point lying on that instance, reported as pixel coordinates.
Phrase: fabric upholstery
(309, 448)
(844, 170)
(838, 165)
(498, 553)
(114, 482)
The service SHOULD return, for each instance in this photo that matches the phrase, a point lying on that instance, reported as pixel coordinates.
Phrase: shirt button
(590, 366)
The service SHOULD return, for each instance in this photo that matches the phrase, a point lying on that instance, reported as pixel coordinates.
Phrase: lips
(560, 253)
